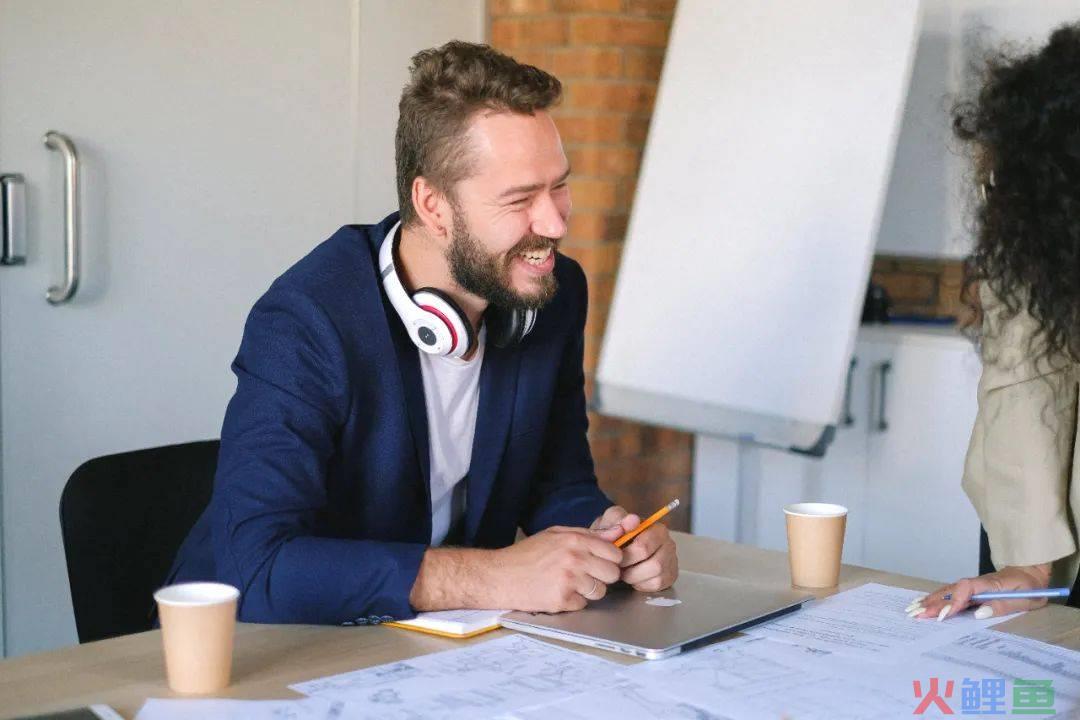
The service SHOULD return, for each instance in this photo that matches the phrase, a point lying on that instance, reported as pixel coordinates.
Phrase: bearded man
(411, 393)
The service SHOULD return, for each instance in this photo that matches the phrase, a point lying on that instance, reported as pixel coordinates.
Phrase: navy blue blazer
(321, 509)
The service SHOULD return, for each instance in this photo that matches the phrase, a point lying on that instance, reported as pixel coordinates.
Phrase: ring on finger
(595, 585)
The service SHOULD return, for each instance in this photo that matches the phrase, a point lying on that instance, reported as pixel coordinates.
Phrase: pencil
(649, 522)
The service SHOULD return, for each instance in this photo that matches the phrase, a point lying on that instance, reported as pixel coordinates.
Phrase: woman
(1022, 471)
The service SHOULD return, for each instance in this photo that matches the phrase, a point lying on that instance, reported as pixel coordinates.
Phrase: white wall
(928, 202)
(390, 31)
(220, 142)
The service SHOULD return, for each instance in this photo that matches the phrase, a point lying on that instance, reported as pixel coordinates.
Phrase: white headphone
(435, 322)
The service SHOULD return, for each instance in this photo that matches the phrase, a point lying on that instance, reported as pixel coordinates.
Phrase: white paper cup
(198, 623)
(815, 534)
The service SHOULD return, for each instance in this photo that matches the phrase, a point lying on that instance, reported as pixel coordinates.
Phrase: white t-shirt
(451, 396)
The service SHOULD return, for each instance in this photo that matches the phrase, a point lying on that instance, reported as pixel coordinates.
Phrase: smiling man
(411, 393)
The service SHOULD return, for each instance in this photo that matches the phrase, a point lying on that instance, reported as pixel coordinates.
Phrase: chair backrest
(123, 518)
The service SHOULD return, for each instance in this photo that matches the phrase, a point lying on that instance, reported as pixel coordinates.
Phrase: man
(411, 393)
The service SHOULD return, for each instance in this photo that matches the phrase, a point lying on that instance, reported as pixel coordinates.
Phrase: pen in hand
(647, 523)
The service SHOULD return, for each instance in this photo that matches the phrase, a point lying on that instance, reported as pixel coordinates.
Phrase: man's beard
(488, 276)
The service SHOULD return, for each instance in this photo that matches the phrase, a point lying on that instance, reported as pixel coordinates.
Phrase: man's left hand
(650, 562)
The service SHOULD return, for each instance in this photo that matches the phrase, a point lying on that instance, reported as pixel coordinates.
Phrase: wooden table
(125, 671)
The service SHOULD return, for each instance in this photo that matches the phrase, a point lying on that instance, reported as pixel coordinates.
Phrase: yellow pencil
(649, 522)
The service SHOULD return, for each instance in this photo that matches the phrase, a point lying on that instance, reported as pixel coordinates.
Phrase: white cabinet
(896, 463)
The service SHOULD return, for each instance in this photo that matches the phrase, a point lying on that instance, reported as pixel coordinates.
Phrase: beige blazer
(1022, 467)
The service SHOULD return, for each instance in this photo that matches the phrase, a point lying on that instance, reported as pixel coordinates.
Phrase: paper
(754, 677)
(987, 654)
(627, 700)
(482, 680)
(455, 623)
(869, 622)
(303, 709)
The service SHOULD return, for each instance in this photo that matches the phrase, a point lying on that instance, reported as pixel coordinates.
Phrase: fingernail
(918, 610)
(944, 611)
(984, 612)
(914, 604)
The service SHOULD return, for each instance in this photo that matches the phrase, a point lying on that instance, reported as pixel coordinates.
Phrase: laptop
(694, 611)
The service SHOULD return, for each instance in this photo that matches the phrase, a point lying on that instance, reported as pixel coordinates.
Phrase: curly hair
(447, 85)
(1024, 129)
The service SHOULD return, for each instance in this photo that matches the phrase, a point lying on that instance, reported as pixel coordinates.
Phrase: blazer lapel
(498, 387)
(412, 382)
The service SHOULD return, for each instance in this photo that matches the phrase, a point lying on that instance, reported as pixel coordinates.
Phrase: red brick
(587, 228)
(593, 194)
(591, 353)
(596, 259)
(518, 7)
(586, 62)
(643, 64)
(622, 31)
(909, 287)
(512, 32)
(537, 57)
(591, 128)
(604, 448)
(624, 195)
(654, 8)
(604, 160)
(596, 322)
(637, 130)
(604, 424)
(629, 445)
(669, 440)
(600, 290)
(582, 6)
(631, 97)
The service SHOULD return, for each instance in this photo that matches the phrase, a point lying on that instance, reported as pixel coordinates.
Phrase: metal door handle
(848, 420)
(12, 220)
(884, 368)
(64, 293)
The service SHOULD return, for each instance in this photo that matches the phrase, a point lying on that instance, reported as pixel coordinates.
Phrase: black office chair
(123, 518)
(985, 566)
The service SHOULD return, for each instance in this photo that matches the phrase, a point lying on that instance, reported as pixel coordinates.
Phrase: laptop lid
(696, 609)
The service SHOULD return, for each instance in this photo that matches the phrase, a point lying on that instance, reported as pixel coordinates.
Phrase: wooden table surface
(125, 671)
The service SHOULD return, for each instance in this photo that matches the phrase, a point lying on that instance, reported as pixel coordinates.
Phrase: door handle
(884, 369)
(63, 293)
(848, 419)
(12, 220)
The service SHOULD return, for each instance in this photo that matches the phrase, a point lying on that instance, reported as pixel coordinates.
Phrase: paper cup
(198, 622)
(815, 534)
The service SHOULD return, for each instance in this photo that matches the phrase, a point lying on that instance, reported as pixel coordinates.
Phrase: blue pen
(1016, 594)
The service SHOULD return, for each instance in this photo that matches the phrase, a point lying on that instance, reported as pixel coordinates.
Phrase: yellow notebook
(452, 623)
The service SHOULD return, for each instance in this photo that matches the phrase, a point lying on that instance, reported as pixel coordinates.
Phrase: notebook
(452, 623)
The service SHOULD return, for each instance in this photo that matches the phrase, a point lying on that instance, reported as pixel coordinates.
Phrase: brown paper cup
(198, 621)
(815, 534)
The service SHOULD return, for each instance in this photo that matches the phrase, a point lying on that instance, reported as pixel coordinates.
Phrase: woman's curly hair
(1024, 129)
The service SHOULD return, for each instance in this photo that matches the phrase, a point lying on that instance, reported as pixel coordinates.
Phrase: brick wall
(922, 286)
(608, 54)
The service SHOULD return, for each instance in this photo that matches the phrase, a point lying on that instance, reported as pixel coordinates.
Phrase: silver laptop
(696, 610)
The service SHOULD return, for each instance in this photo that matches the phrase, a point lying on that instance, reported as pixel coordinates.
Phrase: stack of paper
(854, 655)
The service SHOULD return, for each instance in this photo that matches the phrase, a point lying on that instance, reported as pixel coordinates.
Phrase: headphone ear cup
(441, 305)
(505, 327)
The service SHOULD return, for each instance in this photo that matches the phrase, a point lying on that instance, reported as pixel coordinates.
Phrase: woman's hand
(1028, 577)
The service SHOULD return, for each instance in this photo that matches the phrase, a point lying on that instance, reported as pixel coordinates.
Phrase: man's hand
(559, 569)
(649, 562)
(1030, 577)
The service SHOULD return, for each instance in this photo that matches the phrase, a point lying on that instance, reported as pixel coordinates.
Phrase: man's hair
(447, 86)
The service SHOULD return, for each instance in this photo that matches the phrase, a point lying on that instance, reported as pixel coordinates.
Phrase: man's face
(510, 215)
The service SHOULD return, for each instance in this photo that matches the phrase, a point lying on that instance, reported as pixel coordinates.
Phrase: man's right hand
(558, 569)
